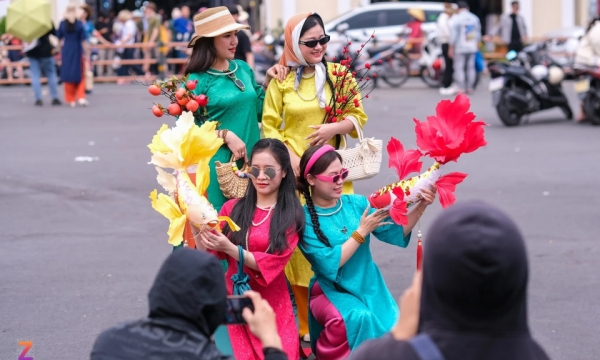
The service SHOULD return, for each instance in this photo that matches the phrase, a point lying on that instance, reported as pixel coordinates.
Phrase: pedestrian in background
(92, 37)
(73, 55)
(243, 51)
(464, 44)
(40, 54)
(152, 24)
(444, 30)
(416, 31)
(512, 29)
(104, 26)
(126, 36)
(588, 53)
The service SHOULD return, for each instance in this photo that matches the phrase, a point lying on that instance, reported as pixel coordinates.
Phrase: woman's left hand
(428, 196)
(323, 133)
(215, 241)
(277, 71)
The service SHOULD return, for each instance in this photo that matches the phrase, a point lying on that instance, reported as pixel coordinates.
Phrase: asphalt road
(80, 244)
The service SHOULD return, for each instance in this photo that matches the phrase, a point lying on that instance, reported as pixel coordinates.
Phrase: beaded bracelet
(224, 134)
(238, 172)
(358, 237)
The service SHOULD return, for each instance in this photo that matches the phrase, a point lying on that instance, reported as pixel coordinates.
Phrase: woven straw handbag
(232, 186)
(364, 160)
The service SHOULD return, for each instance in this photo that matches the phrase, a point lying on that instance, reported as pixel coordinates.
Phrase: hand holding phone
(235, 308)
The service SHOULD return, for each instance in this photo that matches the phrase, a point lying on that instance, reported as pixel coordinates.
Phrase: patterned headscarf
(292, 56)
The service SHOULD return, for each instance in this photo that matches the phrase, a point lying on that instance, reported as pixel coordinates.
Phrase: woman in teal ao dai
(349, 300)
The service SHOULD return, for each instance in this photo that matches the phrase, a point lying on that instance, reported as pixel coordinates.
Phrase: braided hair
(304, 187)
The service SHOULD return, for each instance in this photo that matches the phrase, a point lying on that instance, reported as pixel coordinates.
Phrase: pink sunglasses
(334, 178)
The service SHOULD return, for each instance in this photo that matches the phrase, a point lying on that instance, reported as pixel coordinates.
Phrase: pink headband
(313, 159)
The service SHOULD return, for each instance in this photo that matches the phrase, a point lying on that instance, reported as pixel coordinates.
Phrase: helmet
(556, 75)
(511, 55)
(539, 72)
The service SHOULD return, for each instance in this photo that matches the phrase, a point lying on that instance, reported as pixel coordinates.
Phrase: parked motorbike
(588, 90)
(431, 62)
(394, 68)
(530, 82)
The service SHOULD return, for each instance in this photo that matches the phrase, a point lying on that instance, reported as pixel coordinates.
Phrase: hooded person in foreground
(187, 304)
(472, 303)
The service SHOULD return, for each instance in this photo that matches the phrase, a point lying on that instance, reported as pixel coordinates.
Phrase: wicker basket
(231, 185)
(364, 160)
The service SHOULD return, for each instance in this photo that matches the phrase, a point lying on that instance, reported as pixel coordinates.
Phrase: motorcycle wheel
(507, 116)
(591, 109)
(396, 71)
(432, 80)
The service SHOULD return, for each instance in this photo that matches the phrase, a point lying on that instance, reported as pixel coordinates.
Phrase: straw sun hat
(214, 22)
(418, 14)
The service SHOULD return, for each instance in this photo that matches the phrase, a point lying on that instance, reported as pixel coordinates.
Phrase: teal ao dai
(357, 289)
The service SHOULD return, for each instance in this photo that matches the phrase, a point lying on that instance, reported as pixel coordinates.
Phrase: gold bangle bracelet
(358, 237)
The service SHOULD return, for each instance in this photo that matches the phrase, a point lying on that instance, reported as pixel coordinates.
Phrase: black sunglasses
(236, 81)
(270, 172)
(312, 43)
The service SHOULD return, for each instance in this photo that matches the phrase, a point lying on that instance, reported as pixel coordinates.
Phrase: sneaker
(72, 104)
(56, 102)
(83, 102)
(39, 102)
(306, 338)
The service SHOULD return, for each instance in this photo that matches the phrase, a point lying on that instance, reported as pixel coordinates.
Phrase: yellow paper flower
(174, 137)
(205, 135)
(169, 209)
(157, 145)
(166, 180)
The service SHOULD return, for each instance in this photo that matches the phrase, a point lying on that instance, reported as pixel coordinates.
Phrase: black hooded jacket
(474, 292)
(187, 304)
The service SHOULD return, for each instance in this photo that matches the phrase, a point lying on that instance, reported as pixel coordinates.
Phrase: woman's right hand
(236, 145)
(368, 223)
(276, 71)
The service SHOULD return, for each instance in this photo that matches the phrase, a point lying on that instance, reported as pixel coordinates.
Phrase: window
(396, 17)
(369, 19)
(399, 17)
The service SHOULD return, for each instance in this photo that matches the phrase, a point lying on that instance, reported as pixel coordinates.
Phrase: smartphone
(235, 307)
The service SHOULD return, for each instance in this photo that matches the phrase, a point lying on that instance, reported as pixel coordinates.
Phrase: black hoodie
(474, 292)
(187, 304)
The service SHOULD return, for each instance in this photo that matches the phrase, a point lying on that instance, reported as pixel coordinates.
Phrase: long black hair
(304, 187)
(288, 216)
(592, 23)
(310, 22)
(204, 55)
